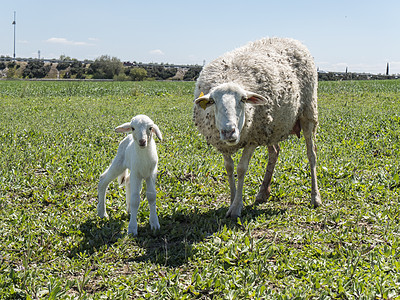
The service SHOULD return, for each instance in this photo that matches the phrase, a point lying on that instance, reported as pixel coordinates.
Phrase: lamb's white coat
(138, 153)
(257, 95)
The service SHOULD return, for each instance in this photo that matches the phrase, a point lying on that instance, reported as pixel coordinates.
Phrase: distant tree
(138, 74)
(105, 67)
(11, 64)
(36, 69)
(77, 69)
(192, 74)
(2, 65)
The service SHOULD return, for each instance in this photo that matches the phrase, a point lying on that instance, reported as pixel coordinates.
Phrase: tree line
(107, 67)
(104, 67)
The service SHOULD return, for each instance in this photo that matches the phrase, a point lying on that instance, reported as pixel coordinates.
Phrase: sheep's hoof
(261, 198)
(233, 212)
(316, 200)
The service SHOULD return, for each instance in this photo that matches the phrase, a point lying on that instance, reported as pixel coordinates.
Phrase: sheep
(258, 95)
(136, 152)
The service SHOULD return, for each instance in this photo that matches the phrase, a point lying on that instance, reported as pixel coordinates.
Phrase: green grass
(56, 138)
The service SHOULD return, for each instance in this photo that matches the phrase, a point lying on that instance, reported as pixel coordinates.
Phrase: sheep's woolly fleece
(281, 70)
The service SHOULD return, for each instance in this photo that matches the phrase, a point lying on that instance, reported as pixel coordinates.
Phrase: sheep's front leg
(151, 195)
(135, 188)
(236, 207)
(265, 189)
(308, 131)
(230, 168)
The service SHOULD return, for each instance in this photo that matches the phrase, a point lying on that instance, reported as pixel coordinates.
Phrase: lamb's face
(142, 129)
(228, 101)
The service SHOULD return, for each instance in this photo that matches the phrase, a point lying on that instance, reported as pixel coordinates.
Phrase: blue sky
(361, 35)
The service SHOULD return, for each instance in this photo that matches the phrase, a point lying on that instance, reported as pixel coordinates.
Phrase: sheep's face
(142, 129)
(228, 101)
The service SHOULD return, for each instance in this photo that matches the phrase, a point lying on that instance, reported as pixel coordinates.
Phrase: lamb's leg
(236, 207)
(128, 193)
(265, 189)
(230, 168)
(151, 198)
(135, 188)
(308, 131)
(110, 174)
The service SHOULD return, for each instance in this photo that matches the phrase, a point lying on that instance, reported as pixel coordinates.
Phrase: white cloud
(64, 41)
(156, 52)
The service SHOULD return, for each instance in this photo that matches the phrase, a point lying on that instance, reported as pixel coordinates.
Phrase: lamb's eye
(150, 128)
(244, 98)
(211, 101)
(133, 128)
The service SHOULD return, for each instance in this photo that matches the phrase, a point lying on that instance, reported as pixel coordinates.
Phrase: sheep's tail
(123, 178)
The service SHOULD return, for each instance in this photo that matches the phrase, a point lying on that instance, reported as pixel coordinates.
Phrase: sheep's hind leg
(230, 168)
(265, 188)
(309, 133)
(110, 174)
(236, 207)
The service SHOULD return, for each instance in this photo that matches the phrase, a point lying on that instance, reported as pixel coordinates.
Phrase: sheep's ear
(157, 131)
(255, 99)
(204, 101)
(126, 127)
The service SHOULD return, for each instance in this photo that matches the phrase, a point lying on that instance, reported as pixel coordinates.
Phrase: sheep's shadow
(172, 244)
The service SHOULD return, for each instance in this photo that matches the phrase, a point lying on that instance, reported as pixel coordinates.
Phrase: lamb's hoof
(316, 200)
(155, 225)
(101, 213)
(132, 231)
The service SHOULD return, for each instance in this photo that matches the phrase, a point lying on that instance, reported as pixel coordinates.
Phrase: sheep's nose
(228, 134)
(142, 143)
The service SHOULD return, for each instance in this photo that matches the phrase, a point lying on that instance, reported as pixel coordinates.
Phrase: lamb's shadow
(172, 244)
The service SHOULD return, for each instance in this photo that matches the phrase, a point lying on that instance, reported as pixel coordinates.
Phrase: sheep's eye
(133, 129)
(150, 128)
(244, 98)
(211, 101)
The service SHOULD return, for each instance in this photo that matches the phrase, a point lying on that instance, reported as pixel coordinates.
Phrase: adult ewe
(258, 95)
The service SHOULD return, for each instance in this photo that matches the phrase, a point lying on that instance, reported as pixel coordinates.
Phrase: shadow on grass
(172, 244)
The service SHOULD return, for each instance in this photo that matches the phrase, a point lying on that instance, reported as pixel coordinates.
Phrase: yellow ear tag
(203, 103)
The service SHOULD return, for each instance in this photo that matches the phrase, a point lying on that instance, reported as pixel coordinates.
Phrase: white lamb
(138, 153)
(257, 95)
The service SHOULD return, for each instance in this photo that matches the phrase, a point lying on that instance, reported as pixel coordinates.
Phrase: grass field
(56, 138)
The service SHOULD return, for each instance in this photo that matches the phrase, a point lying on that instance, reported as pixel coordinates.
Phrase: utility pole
(14, 23)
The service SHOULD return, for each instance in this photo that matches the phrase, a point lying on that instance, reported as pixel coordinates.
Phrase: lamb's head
(142, 129)
(228, 101)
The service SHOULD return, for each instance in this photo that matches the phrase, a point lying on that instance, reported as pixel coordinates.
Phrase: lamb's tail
(123, 178)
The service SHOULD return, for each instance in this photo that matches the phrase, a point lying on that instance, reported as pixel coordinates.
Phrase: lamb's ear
(255, 99)
(126, 127)
(157, 131)
(204, 101)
